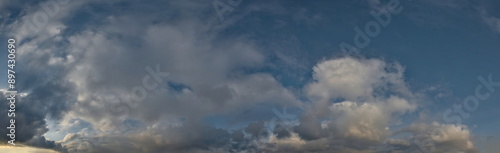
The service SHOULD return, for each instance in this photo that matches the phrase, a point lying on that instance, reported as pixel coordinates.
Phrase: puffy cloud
(353, 79)
(364, 101)
(88, 73)
(439, 137)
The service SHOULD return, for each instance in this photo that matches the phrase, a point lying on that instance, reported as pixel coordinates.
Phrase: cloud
(353, 79)
(492, 22)
(88, 74)
(364, 103)
(24, 149)
(443, 137)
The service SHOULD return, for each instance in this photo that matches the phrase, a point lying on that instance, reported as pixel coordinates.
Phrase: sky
(244, 76)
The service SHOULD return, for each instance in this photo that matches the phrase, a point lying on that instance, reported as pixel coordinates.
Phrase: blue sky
(231, 76)
(439, 45)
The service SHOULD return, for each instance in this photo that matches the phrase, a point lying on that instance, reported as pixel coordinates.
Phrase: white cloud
(353, 79)
(444, 137)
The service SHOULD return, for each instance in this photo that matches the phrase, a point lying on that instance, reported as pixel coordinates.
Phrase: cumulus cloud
(364, 98)
(440, 137)
(89, 74)
(353, 79)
